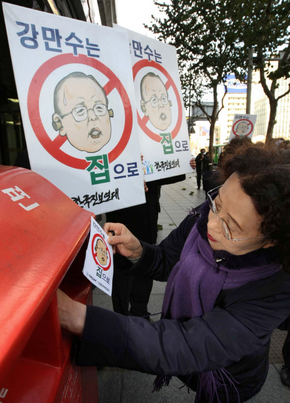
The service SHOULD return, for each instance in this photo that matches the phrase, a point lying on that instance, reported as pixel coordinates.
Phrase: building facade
(235, 102)
(261, 108)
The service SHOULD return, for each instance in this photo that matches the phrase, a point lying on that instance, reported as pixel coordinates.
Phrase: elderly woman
(226, 291)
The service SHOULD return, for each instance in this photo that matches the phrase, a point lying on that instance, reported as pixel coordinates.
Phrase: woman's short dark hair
(265, 177)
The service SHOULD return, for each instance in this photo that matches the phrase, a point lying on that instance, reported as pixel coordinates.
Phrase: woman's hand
(72, 314)
(123, 241)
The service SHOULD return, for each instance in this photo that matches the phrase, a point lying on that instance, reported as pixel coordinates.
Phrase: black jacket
(235, 335)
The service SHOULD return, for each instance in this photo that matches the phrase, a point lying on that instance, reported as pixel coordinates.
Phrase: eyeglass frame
(87, 109)
(158, 99)
(213, 208)
(102, 251)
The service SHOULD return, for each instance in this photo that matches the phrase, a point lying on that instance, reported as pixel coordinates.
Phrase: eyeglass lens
(226, 230)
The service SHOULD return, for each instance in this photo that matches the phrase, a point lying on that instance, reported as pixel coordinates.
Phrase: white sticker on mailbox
(98, 266)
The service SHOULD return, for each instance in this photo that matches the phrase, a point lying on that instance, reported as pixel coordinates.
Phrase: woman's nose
(214, 222)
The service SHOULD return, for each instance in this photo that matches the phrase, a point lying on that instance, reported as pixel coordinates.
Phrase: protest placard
(77, 105)
(243, 126)
(161, 117)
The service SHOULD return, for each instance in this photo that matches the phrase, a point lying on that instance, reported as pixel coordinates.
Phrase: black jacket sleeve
(157, 261)
(219, 338)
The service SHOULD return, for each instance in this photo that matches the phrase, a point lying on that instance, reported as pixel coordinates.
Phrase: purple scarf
(192, 289)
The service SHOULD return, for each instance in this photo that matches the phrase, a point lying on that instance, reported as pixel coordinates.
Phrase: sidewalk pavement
(123, 386)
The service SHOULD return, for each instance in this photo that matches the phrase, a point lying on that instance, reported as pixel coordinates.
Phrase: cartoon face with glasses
(155, 103)
(81, 112)
(242, 128)
(102, 253)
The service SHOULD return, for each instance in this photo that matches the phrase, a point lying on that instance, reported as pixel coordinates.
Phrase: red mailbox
(43, 242)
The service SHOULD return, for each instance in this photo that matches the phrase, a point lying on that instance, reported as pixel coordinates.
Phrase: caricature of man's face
(155, 102)
(102, 254)
(84, 116)
(242, 128)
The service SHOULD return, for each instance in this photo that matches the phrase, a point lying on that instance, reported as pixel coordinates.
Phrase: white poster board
(164, 139)
(243, 126)
(99, 266)
(76, 95)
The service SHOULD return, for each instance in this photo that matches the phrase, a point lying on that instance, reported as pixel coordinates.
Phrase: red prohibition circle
(94, 241)
(53, 146)
(242, 120)
(170, 83)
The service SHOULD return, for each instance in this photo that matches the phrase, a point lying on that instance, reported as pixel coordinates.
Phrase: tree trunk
(213, 120)
(211, 138)
(272, 119)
